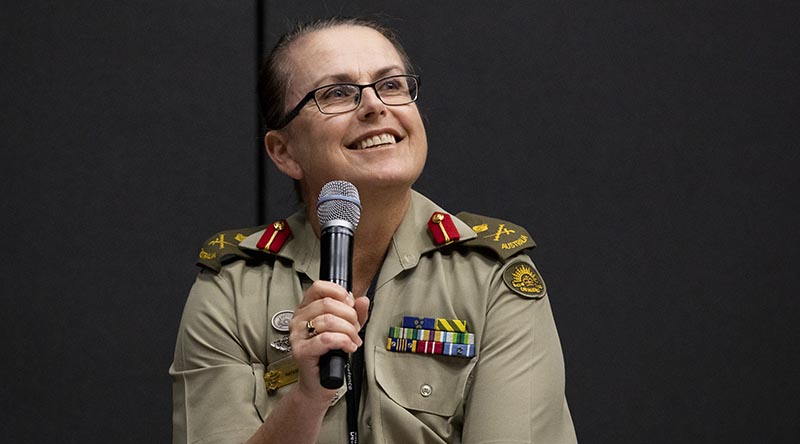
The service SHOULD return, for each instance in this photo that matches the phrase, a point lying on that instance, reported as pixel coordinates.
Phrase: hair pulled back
(273, 79)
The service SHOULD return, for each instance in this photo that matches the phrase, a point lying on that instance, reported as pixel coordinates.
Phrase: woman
(338, 97)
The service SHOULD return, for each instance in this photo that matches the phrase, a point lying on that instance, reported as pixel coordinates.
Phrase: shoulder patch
(522, 278)
(504, 238)
(223, 247)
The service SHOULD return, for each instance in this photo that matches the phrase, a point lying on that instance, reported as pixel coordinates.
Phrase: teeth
(380, 139)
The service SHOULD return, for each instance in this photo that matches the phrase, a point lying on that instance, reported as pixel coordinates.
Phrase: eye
(393, 86)
(336, 93)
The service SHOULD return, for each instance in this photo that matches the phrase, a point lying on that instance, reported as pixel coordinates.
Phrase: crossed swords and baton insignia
(501, 231)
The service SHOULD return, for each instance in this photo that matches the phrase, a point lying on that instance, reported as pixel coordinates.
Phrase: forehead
(342, 53)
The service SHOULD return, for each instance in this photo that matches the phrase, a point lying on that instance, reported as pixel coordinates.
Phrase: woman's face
(320, 147)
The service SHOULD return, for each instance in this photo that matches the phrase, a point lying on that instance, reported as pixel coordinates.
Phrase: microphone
(338, 211)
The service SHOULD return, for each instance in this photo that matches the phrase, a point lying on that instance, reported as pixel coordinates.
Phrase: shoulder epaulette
(223, 247)
(503, 238)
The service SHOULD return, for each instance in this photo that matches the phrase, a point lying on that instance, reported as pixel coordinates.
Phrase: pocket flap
(428, 383)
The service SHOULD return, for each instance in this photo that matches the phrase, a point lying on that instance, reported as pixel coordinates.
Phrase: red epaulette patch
(274, 237)
(443, 229)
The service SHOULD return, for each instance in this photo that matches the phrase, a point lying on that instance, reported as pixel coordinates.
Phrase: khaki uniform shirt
(512, 391)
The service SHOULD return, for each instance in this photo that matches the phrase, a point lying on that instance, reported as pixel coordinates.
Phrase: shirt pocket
(422, 382)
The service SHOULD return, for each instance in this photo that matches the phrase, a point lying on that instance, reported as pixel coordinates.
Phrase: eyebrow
(347, 78)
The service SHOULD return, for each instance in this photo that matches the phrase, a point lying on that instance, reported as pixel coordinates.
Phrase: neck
(381, 214)
(379, 220)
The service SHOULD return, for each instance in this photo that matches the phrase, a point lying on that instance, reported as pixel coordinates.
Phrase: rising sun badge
(524, 280)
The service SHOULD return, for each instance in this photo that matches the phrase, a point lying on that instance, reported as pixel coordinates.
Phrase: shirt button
(425, 390)
(408, 259)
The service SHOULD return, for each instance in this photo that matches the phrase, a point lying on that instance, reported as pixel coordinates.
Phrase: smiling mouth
(373, 141)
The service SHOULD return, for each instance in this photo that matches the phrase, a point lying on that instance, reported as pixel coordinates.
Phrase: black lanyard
(354, 371)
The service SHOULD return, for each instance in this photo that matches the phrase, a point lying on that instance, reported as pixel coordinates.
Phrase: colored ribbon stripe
(430, 347)
(441, 324)
(431, 335)
(414, 322)
(401, 345)
(457, 325)
(463, 350)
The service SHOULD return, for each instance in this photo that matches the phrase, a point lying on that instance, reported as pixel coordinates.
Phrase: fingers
(328, 298)
(328, 318)
(322, 289)
(325, 320)
(333, 332)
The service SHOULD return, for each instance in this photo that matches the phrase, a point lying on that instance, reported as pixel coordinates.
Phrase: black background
(651, 147)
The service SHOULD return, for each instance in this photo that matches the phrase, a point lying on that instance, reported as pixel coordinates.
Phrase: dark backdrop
(651, 147)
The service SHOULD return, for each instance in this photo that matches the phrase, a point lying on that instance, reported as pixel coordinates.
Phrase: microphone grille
(338, 200)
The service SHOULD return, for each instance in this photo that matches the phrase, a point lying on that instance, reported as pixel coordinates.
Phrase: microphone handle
(336, 265)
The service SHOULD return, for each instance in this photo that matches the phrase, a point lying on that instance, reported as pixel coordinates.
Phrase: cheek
(413, 121)
(313, 149)
(322, 130)
(302, 140)
(417, 134)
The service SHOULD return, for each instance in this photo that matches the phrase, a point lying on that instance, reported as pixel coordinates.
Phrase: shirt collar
(410, 241)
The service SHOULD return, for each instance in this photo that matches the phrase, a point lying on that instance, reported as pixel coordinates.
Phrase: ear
(278, 150)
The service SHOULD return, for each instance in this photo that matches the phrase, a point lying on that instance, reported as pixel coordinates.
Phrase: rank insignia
(503, 238)
(223, 248)
(274, 237)
(443, 229)
(523, 278)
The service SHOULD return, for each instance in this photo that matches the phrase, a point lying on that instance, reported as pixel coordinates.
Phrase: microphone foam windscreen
(338, 200)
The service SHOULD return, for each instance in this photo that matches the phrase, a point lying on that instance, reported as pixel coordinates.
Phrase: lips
(373, 141)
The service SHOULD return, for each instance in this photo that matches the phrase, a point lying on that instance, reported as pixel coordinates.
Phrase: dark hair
(273, 78)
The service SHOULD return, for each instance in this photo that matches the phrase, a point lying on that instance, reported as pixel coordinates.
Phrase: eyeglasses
(340, 98)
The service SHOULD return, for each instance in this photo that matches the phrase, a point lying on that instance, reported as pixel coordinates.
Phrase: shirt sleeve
(517, 391)
(214, 381)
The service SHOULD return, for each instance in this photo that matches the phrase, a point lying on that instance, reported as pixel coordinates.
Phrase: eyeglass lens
(343, 97)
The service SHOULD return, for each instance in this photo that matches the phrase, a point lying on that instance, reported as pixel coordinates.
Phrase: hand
(337, 319)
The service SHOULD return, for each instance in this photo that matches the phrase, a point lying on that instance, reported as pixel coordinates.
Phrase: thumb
(362, 309)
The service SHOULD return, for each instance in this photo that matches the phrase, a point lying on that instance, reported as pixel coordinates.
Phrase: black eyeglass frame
(312, 95)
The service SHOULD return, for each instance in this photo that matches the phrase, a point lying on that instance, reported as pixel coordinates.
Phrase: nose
(370, 105)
